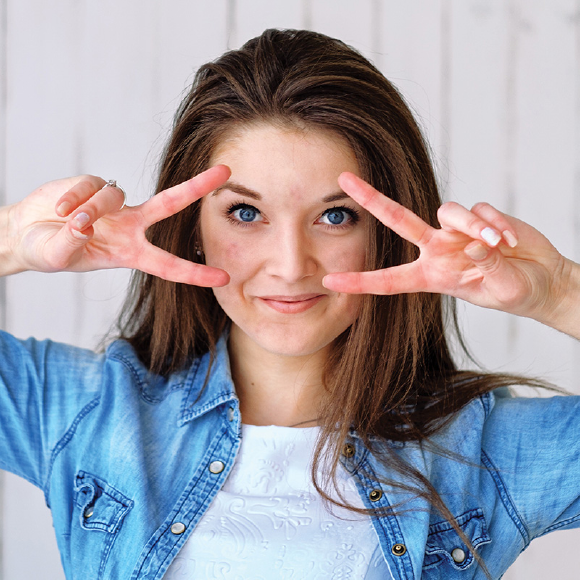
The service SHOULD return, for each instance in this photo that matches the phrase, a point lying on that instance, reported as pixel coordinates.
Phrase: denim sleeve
(44, 387)
(531, 446)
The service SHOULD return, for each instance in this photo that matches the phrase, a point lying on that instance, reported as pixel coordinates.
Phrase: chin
(287, 343)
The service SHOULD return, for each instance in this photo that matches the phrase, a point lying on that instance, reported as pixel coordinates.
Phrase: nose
(291, 255)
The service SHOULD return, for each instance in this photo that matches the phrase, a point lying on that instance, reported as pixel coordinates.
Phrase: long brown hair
(391, 374)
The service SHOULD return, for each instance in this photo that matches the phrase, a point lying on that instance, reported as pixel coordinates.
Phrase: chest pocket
(100, 509)
(446, 554)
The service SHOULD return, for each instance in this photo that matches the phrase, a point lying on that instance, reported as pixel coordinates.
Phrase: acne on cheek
(236, 254)
(225, 253)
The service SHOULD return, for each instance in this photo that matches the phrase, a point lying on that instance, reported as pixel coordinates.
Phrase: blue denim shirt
(129, 462)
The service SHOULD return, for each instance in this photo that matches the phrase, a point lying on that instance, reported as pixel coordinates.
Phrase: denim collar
(218, 390)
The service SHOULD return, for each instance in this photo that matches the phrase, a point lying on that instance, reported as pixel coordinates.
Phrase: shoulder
(528, 445)
(532, 429)
(500, 415)
(530, 448)
(42, 362)
(50, 367)
(513, 420)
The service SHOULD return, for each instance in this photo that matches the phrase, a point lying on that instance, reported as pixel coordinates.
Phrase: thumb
(501, 279)
(508, 287)
(488, 260)
(66, 246)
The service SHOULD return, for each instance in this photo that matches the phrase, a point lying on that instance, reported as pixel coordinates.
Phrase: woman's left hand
(480, 255)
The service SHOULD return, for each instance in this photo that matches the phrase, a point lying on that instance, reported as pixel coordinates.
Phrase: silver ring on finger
(113, 183)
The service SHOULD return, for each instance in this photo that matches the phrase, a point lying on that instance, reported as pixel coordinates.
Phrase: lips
(291, 304)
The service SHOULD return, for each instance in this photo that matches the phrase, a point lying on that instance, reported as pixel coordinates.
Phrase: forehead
(296, 161)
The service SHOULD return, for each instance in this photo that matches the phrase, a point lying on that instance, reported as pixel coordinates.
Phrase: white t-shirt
(268, 522)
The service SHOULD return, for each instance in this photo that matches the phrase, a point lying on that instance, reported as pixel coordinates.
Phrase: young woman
(283, 403)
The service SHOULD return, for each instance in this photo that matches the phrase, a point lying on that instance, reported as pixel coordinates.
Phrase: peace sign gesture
(480, 255)
(90, 230)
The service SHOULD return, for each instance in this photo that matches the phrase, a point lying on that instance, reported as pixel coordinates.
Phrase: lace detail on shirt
(268, 521)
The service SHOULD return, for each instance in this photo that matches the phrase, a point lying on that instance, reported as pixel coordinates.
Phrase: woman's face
(278, 226)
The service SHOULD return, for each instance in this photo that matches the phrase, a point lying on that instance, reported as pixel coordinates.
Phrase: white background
(90, 86)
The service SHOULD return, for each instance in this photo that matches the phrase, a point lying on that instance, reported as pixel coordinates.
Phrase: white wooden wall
(89, 86)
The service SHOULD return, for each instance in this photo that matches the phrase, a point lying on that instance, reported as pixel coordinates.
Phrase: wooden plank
(351, 22)
(480, 72)
(409, 47)
(30, 549)
(143, 64)
(544, 158)
(42, 129)
(474, 127)
(252, 17)
(189, 35)
(495, 117)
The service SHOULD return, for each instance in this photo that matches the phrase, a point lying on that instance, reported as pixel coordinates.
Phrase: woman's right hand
(75, 225)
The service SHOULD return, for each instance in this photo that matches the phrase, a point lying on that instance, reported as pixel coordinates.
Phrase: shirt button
(399, 549)
(231, 414)
(177, 528)
(216, 466)
(376, 495)
(348, 450)
(458, 555)
(89, 512)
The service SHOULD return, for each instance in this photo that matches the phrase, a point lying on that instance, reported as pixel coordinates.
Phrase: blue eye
(339, 216)
(336, 217)
(245, 213)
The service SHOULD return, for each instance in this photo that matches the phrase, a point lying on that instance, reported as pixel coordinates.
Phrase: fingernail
(81, 219)
(328, 278)
(63, 208)
(478, 252)
(491, 236)
(79, 235)
(510, 239)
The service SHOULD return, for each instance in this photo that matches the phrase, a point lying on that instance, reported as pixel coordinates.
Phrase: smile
(292, 304)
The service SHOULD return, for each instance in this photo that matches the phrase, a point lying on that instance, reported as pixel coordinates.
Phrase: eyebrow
(247, 192)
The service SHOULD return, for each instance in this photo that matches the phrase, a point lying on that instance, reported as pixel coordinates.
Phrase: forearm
(564, 315)
(8, 264)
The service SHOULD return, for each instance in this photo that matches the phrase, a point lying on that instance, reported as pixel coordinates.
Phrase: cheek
(221, 249)
(352, 307)
(355, 259)
(223, 253)
(230, 255)
(348, 257)
(238, 260)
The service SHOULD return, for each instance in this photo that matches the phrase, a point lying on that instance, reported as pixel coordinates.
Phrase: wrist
(8, 262)
(564, 311)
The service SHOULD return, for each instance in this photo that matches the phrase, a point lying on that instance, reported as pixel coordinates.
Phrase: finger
(174, 199)
(107, 200)
(155, 261)
(401, 279)
(454, 217)
(392, 214)
(499, 220)
(78, 194)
